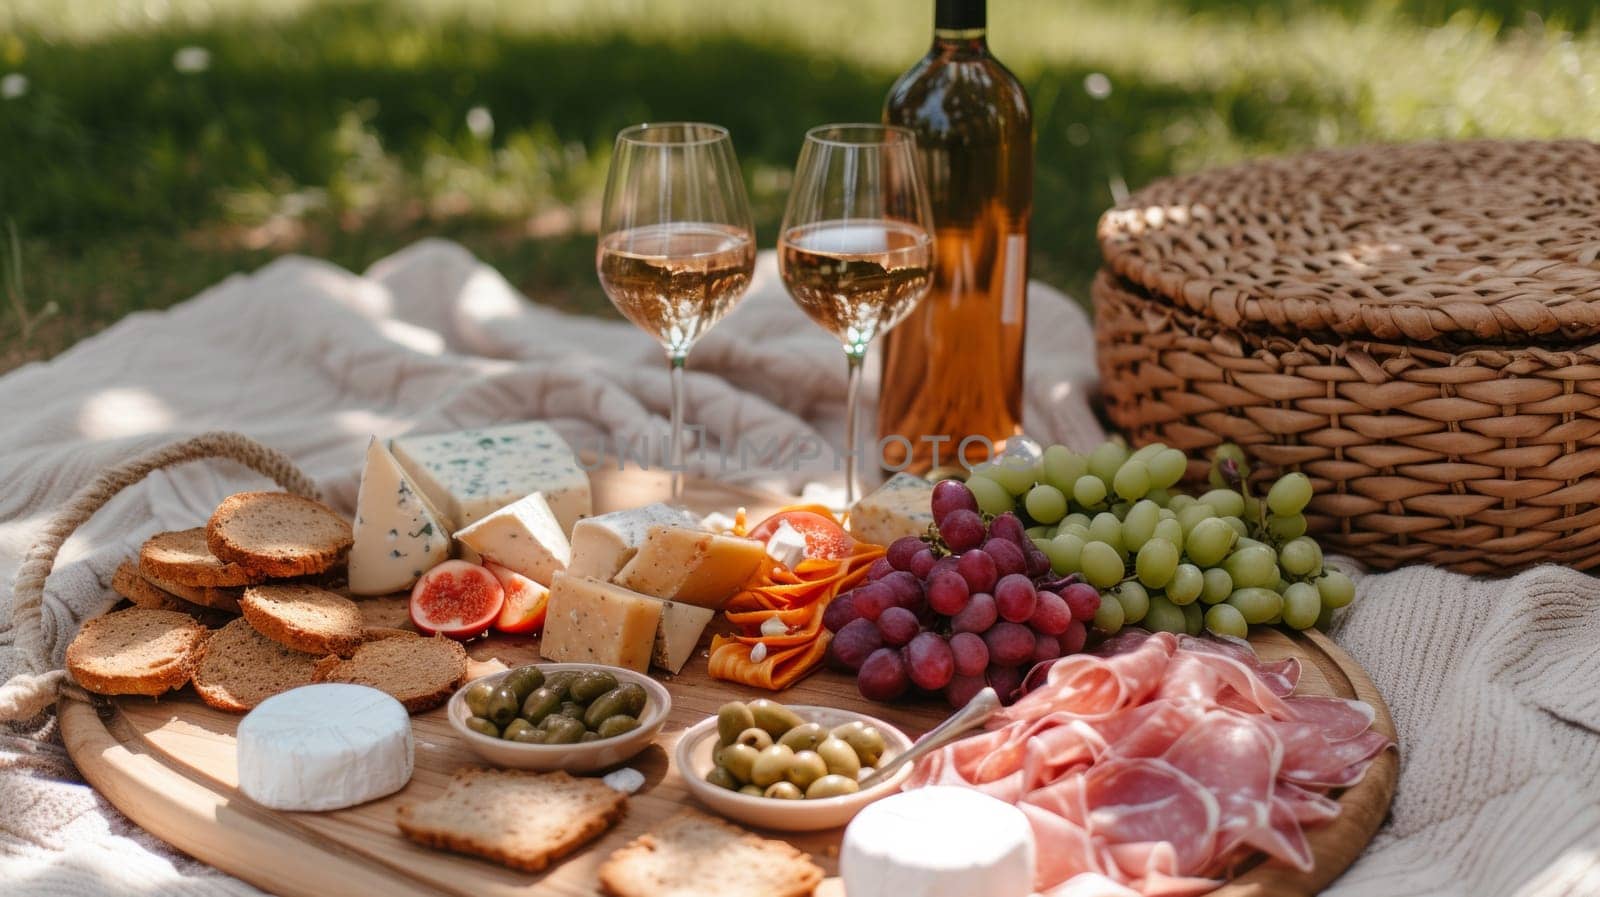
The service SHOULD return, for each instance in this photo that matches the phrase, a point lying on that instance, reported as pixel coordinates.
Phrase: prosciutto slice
(1151, 765)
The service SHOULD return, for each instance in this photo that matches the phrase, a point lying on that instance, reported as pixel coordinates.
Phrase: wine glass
(856, 246)
(676, 244)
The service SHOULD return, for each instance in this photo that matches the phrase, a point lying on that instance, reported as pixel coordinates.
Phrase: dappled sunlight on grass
(150, 148)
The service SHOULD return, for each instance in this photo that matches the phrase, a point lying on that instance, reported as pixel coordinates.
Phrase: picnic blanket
(1494, 685)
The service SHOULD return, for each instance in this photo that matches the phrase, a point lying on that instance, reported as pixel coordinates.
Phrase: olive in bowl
(572, 716)
(790, 768)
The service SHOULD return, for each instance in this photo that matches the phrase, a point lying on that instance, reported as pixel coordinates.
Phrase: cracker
(519, 819)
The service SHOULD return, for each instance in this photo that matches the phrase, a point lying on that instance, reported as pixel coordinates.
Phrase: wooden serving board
(169, 765)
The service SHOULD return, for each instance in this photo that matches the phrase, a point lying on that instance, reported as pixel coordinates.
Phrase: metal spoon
(976, 713)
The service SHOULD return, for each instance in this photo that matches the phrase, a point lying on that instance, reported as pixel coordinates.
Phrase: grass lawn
(149, 149)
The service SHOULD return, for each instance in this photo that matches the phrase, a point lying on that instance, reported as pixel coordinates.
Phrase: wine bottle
(953, 368)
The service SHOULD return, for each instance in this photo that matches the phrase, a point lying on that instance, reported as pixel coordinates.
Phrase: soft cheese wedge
(470, 474)
(398, 533)
(900, 507)
(590, 621)
(524, 537)
(692, 566)
(602, 545)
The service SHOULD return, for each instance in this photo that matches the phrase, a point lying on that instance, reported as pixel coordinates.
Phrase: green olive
(784, 791)
(756, 738)
(804, 737)
(540, 703)
(532, 735)
(867, 741)
(591, 685)
(523, 680)
(739, 759)
(564, 730)
(722, 778)
(771, 765)
(774, 717)
(559, 682)
(806, 768)
(589, 736)
(732, 718)
(627, 700)
(515, 727)
(832, 786)
(753, 790)
(477, 698)
(483, 727)
(572, 710)
(503, 706)
(612, 726)
(840, 757)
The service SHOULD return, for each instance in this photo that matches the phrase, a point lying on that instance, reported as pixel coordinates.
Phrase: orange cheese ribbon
(798, 599)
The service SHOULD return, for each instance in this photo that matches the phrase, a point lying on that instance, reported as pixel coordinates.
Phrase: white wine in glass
(856, 247)
(676, 244)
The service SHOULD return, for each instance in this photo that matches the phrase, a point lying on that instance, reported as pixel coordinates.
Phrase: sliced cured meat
(1156, 763)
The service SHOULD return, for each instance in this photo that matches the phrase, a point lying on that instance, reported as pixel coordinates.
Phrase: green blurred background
(150, 147)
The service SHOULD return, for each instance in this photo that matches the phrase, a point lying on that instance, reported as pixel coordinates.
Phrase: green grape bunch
(1222, 560)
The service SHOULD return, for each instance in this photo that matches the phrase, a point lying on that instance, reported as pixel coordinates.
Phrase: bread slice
(239, 668)
(278, 534)
(694, 855)
(304, 617)
(389, 612)
(518, 819)
(420, 672)
(127, 582)
(138, 651)
(182, 557)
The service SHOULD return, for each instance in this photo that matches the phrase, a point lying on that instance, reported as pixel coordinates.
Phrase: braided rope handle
(27, 694)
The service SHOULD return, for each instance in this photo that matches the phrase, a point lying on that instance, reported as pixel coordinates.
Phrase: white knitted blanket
(1494, 685)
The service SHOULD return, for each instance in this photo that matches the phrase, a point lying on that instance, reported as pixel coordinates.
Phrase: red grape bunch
(976, 605)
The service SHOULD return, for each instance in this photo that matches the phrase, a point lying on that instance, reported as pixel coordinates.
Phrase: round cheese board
(170, 766)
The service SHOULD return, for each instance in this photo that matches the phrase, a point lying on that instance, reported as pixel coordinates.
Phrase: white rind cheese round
(324, 747)
(938, 842)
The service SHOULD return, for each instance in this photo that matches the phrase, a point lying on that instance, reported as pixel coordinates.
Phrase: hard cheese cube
(470, 474)
(900, 507)
(590, 621)
(602, 545)
(678, 634)
(524, 536)
(398, 534)
(692, 566)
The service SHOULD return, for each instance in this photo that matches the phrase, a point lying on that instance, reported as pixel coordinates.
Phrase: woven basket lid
(1480, 241)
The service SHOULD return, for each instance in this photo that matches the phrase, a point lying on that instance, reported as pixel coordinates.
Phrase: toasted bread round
(182, 557)
(304, 617)
(138, 651)
(419, 672)
(127, 582)
(223, 598)
(277, 534)
(239, 668)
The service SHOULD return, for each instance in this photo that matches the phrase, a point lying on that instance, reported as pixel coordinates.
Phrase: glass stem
(852, 399)
(677, 362)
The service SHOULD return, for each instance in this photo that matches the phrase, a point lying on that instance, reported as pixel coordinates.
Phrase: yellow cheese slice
(693, 566)
(678, 633)
(590, 621)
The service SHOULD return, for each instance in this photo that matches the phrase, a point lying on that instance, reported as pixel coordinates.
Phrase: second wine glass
(676, 245)
(856, 247)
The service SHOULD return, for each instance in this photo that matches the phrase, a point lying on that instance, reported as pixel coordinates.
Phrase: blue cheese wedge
(524, 536)
(900, 507)
(399, 535)
(601, 545)
(470, 474)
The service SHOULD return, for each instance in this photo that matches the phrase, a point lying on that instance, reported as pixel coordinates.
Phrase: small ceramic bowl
(582, 757)
(693, 757)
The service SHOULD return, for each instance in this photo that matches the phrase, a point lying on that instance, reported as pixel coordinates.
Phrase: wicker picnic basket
(1417, 328)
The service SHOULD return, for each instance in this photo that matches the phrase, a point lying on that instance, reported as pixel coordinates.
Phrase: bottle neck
(959, 25)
